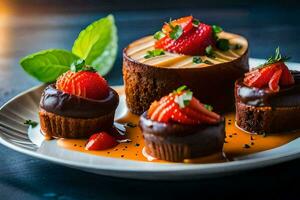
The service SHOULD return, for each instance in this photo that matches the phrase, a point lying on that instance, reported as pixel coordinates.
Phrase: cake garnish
(223, 44)
(79, 65)
(192, 41)
(154, 53)
(31, 123)
(197, 60)
(97, 45)
(101, 141)
(84, 83)
(158, 35)
(272, 74)
(209, 52)
(189, 36)
(181, 107)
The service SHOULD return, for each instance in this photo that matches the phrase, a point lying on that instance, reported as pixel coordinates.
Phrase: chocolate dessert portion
(69, 116)
(259, 110)
(68, 105)
(147, 80)
(176, 142)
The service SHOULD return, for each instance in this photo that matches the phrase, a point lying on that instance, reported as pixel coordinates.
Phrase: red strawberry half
(271, 76)
(192, 42)
(86, 84)
(186, 24)
(100, 141)
(181, 107)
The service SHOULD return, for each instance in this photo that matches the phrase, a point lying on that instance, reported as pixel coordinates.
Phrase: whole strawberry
(83, 81)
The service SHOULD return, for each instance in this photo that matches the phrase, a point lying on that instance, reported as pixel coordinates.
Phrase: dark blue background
(29, 26)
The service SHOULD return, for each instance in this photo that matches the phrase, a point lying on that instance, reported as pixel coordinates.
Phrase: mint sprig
(208, 107)
(79, 65)
(49, 64)
(209, 52)
(176, 31)
(97, 45)
(197, 60)
(180, 89)
(31, 123)
(184, 99)
(277, 57)
(154, 53)
(158, 35)
(223, 44)
(196, 22)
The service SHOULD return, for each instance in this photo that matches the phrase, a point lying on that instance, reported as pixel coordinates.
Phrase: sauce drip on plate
(237, 142)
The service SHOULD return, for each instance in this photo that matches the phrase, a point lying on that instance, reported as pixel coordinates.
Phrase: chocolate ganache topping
(174, 132)
(61, 103)
(286, 96)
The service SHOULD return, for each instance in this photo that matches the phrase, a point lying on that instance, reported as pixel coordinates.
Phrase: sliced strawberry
(201, 117)
(83, 83)
(193, 42)
(152, 108)
(261, 78)
(181, 107)
(196, 105)
(162, 105)
(286, 77)
(273, 83)
(186, 24)
(100, 141)
(167, 112)
(182, 118)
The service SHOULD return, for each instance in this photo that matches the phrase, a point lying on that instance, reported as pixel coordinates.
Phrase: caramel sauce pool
(237, 142)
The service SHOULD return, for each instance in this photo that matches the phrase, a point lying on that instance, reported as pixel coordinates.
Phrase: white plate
(14, 134)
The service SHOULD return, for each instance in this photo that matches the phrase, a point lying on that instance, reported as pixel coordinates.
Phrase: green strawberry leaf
(49, 64)
(97, 44)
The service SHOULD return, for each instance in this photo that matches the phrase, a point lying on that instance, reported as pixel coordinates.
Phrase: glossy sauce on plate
(237, 142)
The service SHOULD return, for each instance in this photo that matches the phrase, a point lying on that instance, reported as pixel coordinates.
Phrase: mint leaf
(217, 29)
(223, 44)
(158, 35)
(31, 123)
(209, 52)
(208, 62)
(79, 65)
(277, 57)
(154, 53)
(97, 44)
(197, 59)
(176, 31)
(181, 88)
(208, 107)
(49, 64)
(184, 99)
(196, 22)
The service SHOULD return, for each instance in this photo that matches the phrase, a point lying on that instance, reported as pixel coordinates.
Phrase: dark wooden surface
(31, 26)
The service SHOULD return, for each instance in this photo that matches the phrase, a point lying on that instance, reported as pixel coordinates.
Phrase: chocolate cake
(212, 80)
(70, 116)
(176, 142)
(260, 111)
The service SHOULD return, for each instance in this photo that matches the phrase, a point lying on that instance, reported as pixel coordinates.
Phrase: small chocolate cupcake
(73, 113)
(267, 99)
(193, 132)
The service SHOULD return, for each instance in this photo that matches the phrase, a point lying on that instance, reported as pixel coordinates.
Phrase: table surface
(28, 28)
